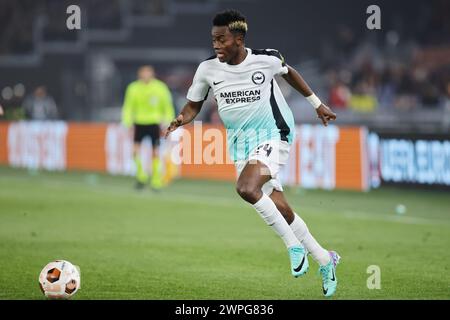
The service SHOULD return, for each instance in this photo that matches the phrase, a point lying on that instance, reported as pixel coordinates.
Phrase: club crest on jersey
(258, 77)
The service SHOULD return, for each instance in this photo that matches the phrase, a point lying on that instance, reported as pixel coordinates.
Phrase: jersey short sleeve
(200, 87)
(278, 64)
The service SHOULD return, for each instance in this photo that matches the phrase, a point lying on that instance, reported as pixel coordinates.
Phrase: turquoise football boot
(299, 260)
(328, 272)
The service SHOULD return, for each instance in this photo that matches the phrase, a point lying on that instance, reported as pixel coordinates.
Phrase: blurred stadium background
(395, 78)
(389, 87)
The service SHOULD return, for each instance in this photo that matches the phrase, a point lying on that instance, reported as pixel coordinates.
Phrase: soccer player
(147, 106)
(260, 129)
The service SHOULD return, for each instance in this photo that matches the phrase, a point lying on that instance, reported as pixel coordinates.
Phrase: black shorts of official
(147, 130)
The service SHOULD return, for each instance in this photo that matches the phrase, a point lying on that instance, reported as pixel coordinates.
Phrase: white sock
(269, 212)
(302, 233)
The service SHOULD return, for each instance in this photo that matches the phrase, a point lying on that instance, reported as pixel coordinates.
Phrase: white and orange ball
(59, 279)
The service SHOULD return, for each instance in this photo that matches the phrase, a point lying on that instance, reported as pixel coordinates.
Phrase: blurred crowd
(370, 80)
(403, 66)
(37, 105)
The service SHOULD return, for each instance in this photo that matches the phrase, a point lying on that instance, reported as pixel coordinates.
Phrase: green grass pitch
(198, 240)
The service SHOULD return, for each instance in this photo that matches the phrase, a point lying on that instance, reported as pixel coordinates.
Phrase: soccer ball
(59, 280)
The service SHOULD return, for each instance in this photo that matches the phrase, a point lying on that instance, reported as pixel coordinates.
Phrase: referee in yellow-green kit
(147, 107)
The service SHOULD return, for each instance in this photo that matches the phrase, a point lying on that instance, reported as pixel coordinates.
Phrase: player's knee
(248, 192)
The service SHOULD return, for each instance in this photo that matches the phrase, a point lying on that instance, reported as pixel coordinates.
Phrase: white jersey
(250, 103)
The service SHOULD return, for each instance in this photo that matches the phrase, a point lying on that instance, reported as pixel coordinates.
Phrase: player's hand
(174, 125)
(325, 114)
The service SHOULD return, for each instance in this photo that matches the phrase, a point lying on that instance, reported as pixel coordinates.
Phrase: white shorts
(274, 154)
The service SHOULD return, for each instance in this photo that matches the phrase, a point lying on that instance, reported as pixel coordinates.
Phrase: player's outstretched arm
(187, 114)
(294, 78)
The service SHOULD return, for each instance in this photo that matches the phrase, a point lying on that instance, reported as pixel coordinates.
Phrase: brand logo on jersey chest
(258, 77)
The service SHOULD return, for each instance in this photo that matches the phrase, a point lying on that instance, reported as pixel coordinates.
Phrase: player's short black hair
(233, 19)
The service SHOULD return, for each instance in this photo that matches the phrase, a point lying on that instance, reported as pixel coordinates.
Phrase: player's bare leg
(326, 259)
(282, 205)
(251, 181)
(249, 186)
